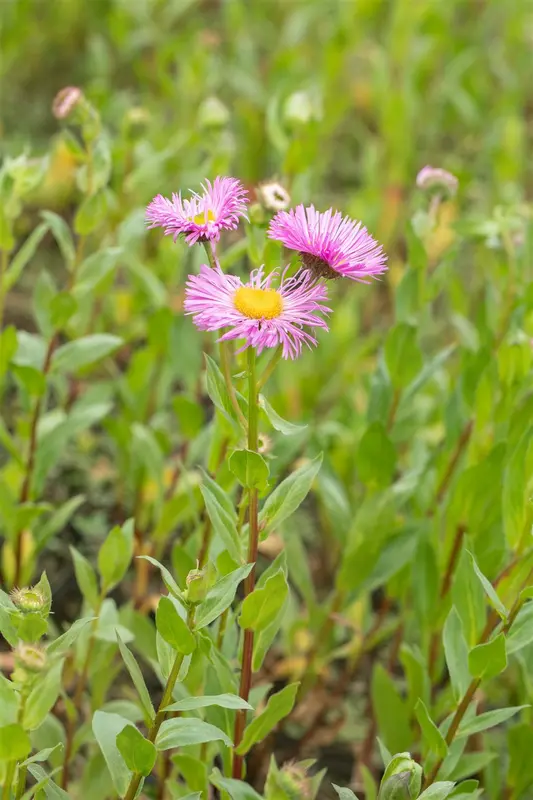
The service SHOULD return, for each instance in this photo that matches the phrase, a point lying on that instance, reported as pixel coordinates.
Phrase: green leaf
(488, 720)
(261, 607)
(45, 783)
(250, 469)
(14, 743)
(278, 707)
(181, 732)
(138, 753)
(376, 456)
(489, 589)
(515, 499)
(168, 580)
(344, 794)
(43, 697)
(437, 791)
(425, 582)
(91, 213)
(520, 747)
(115, 555)
(24, 255)
(9, 702)
(232, 701)
(85, 578)
(62, 235)
(432, 736)
(62, 309)
(220, 596)
(137, 678)
(521, 632)
(288, 496)
(57, 521)
(402, 355)
(216, 389)
(67, 639)
(106, 728)
(391, 711)
(173, 628)
(94, 269)
(456, 653)
(223, 524)
(85, 351)
(237, 790)
(488, 660)
(277, 422)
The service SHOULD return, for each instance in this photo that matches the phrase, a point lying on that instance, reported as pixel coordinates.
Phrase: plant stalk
(253, 544)
(159, 718)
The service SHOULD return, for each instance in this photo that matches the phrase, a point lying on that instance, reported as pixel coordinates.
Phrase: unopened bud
(66, 101)
(197, 586)
(437, 178)
(300, 109)
(136, 121)
(29, 600)
(291, 782)
(402, 779)
(213, 113)
(30, 658)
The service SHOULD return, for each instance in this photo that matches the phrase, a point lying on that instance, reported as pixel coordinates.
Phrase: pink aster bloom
(437, 178)
(255, 311)
(330, 245)
(202, 216)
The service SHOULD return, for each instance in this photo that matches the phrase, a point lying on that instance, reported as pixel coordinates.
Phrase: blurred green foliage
(403, 581)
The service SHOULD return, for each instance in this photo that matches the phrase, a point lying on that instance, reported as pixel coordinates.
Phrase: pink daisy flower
(255, 311)
(202, 216)
(330, 245)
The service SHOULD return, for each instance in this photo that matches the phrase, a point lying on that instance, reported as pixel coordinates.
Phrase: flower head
(29, 599)
(273, 196)
(66, 101)
(437, 178)
(31, 657)
(202, 216)
(330, 245)
(257, 312)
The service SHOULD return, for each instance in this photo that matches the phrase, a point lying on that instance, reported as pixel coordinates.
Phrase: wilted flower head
(29, 599)
(330, 245)
(202, 216)
(437, 178)
(273, 196)
(255, 311)
(65, 101)
(30, 657)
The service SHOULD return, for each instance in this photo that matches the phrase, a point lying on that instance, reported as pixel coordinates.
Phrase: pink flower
(202, 216)
(331, 246)
(437, 178)
(262, 315)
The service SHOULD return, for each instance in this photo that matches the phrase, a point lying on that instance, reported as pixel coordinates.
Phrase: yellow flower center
(258, 303)
(200, 219)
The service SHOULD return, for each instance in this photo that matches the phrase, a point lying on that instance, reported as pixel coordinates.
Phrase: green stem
(270, 367)
(225, 363)
(21, 782)
(161, 711)
(10, 774)
(253, 544)
(475, 683)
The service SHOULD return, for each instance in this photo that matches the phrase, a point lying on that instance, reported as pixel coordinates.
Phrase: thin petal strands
(331, 246)
(201, 217)
(257, 312)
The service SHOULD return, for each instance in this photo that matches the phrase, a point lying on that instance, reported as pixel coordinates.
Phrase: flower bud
(66, 101)
(300, 109)
(197, 586)
(136, 121)
(30, 658)
(273, 196)
(291, 782)
(29, 600)
(402, 779)
(213, 113)
(437, 178)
